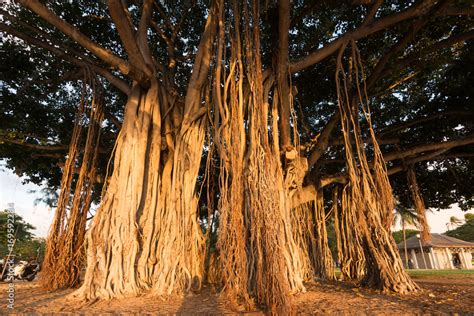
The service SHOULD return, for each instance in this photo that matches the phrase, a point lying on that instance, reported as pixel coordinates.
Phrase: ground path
(442, 294)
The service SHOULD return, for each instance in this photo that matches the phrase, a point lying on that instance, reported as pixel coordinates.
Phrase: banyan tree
(213, 108)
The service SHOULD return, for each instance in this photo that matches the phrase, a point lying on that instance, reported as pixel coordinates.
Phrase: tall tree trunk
(405, 243)
(418, 203)
(145, 233)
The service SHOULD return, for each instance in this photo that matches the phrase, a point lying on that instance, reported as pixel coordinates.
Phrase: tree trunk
(145, 235)
(405, 243)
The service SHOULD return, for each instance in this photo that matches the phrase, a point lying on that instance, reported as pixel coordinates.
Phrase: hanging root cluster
(418, 203)
(259, 261)
(348, 237)
(302, 224)
(322, 258)
(368, 195)
(64, 256)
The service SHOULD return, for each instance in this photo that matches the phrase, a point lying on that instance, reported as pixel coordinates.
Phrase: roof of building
(437, 241)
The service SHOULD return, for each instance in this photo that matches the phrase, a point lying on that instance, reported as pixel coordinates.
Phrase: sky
(13, 191)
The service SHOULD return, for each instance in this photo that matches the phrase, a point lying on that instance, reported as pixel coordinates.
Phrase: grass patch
(439, 273)
(422, 273)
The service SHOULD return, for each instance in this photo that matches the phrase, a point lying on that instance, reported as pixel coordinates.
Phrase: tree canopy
(26, 244)
(421, 102)
(464, 231)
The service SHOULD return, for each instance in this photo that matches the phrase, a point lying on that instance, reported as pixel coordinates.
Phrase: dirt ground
(440, 295)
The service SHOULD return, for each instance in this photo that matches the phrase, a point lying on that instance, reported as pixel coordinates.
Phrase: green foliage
(39, 91)
(398, 235)
(22, 229)
(469, 217)
(404, 216)
(30, 250)
(465, 231)
(332, 241)
(26, 246)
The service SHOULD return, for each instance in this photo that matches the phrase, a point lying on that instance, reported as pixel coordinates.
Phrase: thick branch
(127, 34)
(164, 15)
(360, 32)
(380, 141)
(115, 81)
(142, 37)
(402, 42)
(201, 66)
(396, 128)
(113, 119)
(448, 42)
(452, 10)
(431, 152)
(428, 147)
(412, 161)
(34, 146)
(104, 54)
(323, 140)
(372, 12)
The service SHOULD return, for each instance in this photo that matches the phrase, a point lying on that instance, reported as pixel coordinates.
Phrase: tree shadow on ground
(454, 295)
(203, 302)
(347, 298)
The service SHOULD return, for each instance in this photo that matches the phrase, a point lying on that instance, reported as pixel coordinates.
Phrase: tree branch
(453, 10)
(115, 81)
(399, 45)
(431, 152)
(201, 65)
(142, 38)
(428, 147)
(396, 128)
(360, 32)
(127, 34)
(372, 12)
(323, 140)
(428, 156)
(104, 54)
(34, 146)
(377, 73)
(448, 42)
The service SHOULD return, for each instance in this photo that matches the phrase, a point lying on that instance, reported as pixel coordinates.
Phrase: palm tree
(404, 216)
(454, 221)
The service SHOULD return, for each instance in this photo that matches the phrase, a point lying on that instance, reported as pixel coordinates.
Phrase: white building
(440, 252)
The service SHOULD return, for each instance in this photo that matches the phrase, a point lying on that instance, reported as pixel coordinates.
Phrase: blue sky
(13, 191)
